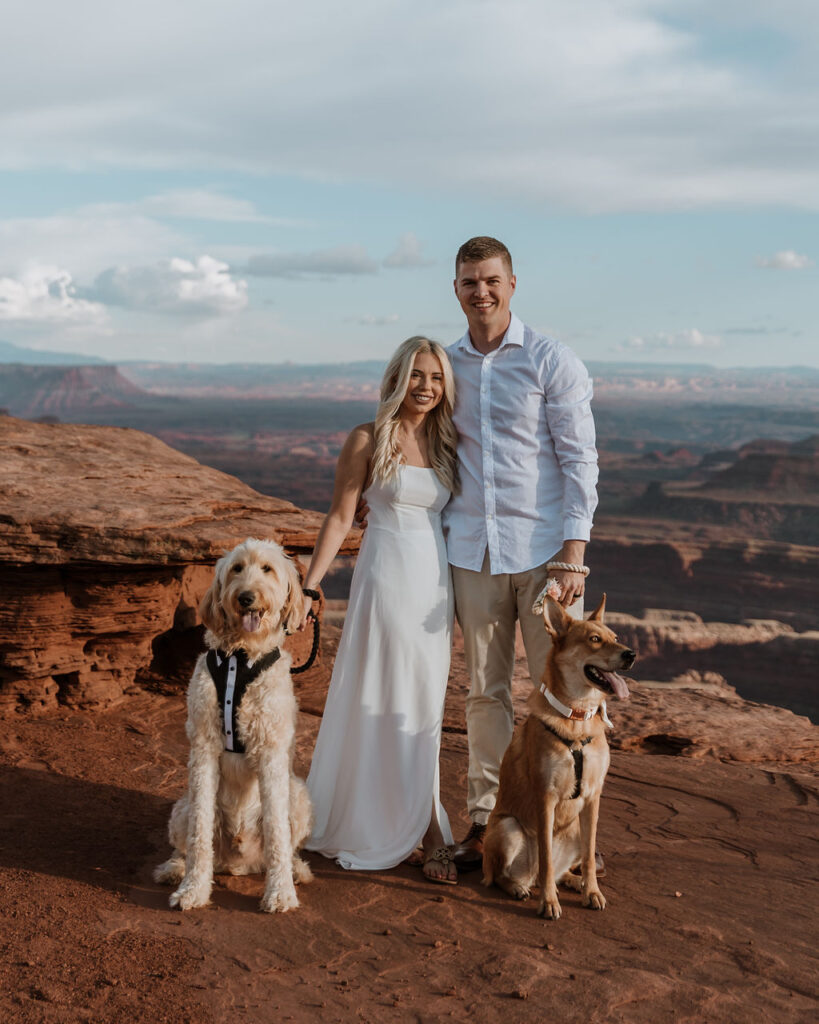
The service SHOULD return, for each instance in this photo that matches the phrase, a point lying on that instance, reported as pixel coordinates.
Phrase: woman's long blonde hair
(442, 438)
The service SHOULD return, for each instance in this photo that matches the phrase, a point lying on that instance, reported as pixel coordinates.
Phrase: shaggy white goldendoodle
(245, 811)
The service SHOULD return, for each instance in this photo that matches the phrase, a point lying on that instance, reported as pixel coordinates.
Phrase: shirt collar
(514, 336)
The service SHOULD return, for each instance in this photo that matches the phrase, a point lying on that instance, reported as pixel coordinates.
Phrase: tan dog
(545, 819)
(245, 811)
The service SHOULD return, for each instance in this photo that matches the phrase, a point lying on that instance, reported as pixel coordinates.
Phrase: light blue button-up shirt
(526, 452)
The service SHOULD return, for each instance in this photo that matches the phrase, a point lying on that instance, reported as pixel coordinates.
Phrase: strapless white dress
(374, 774)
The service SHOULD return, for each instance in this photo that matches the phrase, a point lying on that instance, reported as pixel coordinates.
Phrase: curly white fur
(243, 813)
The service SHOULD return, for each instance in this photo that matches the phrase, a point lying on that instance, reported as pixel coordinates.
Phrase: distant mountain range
(10, 353)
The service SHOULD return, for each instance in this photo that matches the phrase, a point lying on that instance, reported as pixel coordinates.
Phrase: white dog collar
(573, 713)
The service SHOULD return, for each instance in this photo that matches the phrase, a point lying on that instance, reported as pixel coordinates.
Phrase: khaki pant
(487, 607)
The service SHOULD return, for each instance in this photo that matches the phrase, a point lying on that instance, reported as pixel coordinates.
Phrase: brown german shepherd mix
(545, 819)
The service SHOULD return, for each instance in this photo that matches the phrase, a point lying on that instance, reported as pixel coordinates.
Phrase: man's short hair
(481, 248)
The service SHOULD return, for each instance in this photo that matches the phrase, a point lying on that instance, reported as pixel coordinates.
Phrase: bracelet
(569, 567)
(314, 594)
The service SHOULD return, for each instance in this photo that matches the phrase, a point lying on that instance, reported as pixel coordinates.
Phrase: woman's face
(426, 385)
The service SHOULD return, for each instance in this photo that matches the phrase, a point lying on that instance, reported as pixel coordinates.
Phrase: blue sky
(265, 182)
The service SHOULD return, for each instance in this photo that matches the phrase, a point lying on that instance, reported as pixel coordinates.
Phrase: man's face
(484, 290)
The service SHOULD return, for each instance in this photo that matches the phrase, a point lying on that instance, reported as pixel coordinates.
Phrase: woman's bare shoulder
(361, 439)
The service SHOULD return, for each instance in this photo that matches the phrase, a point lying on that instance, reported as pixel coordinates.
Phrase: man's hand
(362, 510)
(573, 585)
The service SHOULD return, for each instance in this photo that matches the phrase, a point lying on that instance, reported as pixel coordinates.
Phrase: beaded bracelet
(569, 567)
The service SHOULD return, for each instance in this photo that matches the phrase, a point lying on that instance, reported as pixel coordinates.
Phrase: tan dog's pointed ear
(599, 611)
(555, 618)
(210, 607)
(293, 610)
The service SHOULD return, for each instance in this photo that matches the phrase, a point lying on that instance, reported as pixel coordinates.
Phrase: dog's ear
(293, 610)
(555, 618)
(210, 607)
(599, 611)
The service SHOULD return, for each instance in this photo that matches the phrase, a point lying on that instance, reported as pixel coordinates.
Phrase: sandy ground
(711, 888)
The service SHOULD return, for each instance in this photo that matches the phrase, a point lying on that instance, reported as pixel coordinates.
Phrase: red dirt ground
(711, 888)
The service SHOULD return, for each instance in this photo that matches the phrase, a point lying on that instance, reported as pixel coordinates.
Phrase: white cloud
(46, 294)
(84, 242)
(201, 288)
(343, 259)
(678, 341)
(187, 204)
(407, 253)
(787, 259)
(372, 320)
(641, 104)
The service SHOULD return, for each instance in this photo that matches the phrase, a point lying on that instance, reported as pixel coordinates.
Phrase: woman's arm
(352, 470)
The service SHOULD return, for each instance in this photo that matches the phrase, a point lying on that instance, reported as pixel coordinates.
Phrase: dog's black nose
(628, 657)
(246, 598)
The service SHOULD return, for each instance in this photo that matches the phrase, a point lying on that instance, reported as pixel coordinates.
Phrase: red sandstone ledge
(80, 494)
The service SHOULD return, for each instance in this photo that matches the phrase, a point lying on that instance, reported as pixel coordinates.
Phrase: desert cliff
(107, 543)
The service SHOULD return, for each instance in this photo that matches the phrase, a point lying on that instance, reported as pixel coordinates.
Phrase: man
(528, 468)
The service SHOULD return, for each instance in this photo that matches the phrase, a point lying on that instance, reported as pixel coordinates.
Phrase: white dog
(244, 812)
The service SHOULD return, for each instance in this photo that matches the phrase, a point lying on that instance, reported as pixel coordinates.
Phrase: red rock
(107, 542)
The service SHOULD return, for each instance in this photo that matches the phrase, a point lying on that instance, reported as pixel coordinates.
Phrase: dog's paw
(280, 899)
(190, 895)
(594, 900)
(550, 908)
(520, 892)
(301, 871)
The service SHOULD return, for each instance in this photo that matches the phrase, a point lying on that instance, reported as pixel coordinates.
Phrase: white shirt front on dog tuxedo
(526, 452)
(231, 676)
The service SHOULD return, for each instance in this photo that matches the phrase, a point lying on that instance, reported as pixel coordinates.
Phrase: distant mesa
(774, 467)
(65, 391)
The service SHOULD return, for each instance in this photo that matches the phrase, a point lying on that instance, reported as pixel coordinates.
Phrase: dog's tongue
(617, 684)
(252, 620)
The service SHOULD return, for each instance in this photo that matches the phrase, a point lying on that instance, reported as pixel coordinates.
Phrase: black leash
(313, 650)
(315, 596)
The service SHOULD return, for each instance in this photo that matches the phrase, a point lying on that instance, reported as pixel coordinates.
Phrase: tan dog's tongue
(252, 620)
(618, 684)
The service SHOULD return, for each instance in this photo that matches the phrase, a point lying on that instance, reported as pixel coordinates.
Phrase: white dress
(374, 774)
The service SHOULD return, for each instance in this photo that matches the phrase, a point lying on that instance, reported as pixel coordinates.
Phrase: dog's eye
(266, 568)
(595, 639)
(237, 567)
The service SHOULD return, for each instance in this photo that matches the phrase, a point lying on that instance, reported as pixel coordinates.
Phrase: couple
(493, 490)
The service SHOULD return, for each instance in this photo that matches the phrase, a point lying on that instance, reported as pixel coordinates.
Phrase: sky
(270, 182)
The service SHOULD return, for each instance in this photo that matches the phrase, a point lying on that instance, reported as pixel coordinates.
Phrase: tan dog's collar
(573, 713)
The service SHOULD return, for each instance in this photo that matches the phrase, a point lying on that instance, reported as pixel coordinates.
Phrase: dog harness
(577, 755)
(231, 675)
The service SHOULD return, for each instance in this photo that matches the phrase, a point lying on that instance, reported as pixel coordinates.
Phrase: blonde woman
(374, 776)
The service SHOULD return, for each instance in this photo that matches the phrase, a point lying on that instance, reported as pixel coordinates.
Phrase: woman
(374, 776)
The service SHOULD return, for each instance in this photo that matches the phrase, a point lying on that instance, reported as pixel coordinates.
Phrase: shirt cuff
(575, 528)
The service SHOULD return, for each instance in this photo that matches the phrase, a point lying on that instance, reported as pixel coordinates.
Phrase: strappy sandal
(444, 857)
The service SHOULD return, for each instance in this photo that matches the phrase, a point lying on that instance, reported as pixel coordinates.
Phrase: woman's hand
(308, 613)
